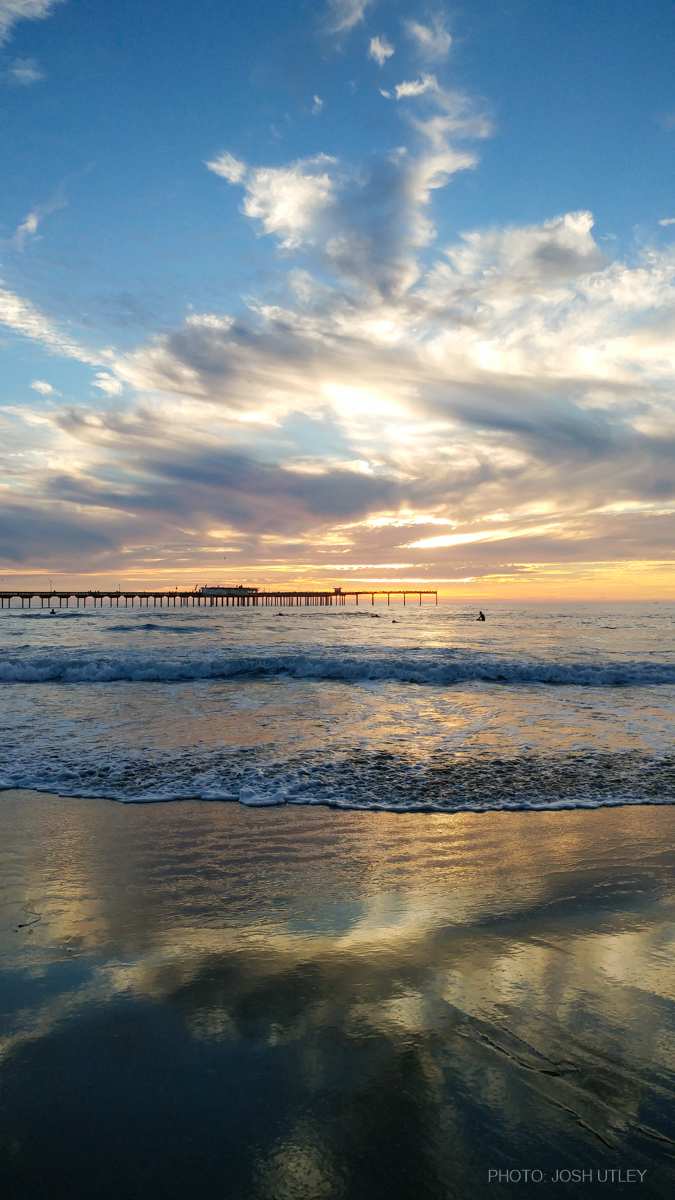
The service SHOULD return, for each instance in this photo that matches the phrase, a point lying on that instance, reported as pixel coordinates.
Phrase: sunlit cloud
(380, 49)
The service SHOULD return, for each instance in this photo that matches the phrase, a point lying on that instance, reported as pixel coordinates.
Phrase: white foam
(440, 668)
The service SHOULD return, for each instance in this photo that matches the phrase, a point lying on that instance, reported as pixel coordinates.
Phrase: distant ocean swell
(434, 667)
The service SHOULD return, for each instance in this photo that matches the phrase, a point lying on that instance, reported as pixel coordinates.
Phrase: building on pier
(218, 589)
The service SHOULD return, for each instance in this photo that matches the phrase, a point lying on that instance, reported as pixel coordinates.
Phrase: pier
(216, 597)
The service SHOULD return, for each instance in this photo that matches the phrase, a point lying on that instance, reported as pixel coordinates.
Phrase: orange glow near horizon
(605, 582)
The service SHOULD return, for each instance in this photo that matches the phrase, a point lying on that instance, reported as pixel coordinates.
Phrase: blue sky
(393, 201)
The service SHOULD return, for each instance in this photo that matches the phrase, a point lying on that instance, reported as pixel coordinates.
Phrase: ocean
(303, 1002)
(415, 708)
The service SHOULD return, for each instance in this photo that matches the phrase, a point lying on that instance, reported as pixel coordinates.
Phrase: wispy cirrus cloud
(29, 227)
(228, 167)
(343, 15)
(13, 11)
(432, 41)
(24, 318)
(24, 72)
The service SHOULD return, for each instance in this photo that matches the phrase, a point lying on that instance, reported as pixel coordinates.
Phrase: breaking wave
(439, 668)
(381, 781)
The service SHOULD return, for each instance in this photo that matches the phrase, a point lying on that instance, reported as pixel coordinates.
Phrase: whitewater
(405, 709)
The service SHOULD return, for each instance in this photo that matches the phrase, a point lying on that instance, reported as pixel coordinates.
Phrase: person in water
(481, 615)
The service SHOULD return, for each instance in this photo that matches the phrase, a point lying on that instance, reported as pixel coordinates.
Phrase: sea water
(377, 707)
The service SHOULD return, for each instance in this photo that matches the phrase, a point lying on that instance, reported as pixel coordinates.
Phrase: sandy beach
(296, 1002)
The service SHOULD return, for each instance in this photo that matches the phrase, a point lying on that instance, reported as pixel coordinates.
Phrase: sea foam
(439, 668)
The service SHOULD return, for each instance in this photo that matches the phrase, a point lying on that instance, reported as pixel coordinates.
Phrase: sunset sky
(357, 291)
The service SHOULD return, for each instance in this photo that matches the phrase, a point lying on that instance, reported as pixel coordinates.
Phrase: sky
(339, 292)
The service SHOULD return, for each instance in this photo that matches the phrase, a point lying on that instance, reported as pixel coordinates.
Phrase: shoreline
(553, 806)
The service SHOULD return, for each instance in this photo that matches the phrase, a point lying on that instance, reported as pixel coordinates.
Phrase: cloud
(44, 388)
(542, 256)
(380, 49)
(317, 105)
(24, 72)
(51, 533)
(12, 11)
(108, 383)
(449, 115)
(431, 41)
(288, 200)
(667, 221)
(367, 224)
(522, 373)
(28, 228)
(228, 167)
(24, 318)
(416, 87)
(488, 407)
(343, 15)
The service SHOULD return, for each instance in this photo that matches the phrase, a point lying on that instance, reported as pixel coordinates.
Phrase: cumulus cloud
(24, 72)
(432, 41)
(368, 223)
(44, 388)
(667, 221)
(380, 49)
(288, 201)
(12, 11)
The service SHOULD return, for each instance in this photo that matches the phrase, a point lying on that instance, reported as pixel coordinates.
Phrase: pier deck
(233, 598)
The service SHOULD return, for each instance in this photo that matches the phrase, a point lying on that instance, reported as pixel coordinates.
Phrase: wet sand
(207, 1000)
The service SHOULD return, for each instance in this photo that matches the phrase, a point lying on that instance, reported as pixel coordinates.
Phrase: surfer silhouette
(481, 616)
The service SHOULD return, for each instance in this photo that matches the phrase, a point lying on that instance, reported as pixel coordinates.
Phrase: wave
(250, 798)
(352, 776)
(47, 616)
(438, 668)
(153, 626)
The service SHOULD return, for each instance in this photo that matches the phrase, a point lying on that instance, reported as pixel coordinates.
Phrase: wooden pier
(225, 598)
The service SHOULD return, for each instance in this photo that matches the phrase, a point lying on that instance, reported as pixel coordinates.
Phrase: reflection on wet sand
(298, 1003)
